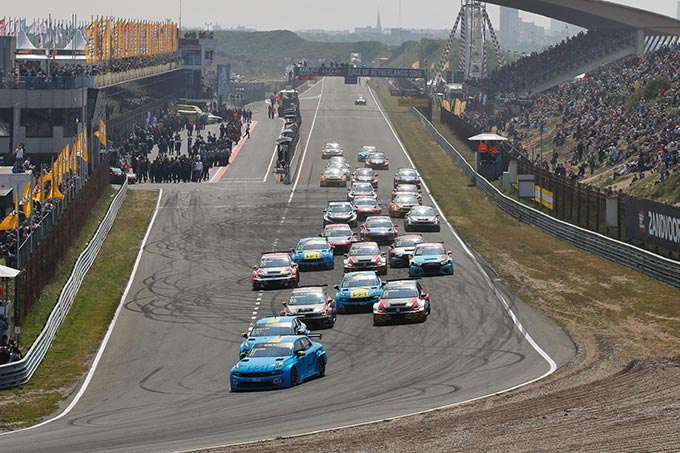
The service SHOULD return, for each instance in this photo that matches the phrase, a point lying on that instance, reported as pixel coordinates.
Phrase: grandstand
(58, 79)
(598, 108)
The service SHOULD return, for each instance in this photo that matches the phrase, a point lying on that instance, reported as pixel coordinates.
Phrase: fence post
(587, 208)
(597, 209)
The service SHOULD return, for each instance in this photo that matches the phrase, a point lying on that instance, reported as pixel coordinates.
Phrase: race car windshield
(364, 250)
(377, 156)
(364, 172)
(399, 293)
(430, 250)
(406, 188)
(270, 330)
(355, 282)
(337, 232)
(405, 241)
(379, 223)
(339, 208)
(334, 171)
(332, 146)
(405, 199)
(274, 262)
(271, 350)
(309, 298)
(422, 210)
(313, 245)
(408, 173)
(370, 202)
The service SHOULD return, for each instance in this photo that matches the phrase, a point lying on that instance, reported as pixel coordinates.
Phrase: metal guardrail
(16, 373)
(650, 264)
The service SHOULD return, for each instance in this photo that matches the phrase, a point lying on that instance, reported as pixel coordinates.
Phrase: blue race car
(314, 251)
(430, 258)
(272, 327)
(365, 151)
(278, 362)
(358, 289)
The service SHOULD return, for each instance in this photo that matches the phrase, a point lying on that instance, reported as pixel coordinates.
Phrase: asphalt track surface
(162, 382)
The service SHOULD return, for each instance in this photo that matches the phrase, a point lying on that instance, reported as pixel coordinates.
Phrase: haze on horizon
(273, 15)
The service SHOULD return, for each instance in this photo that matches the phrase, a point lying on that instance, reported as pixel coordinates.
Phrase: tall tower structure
(509, 28)
(474, 27)
(378, 25)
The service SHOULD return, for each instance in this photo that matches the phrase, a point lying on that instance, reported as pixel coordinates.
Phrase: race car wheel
(407, 228)
(331, 266)
(438, 229)
(256, 286)
(321, 366)
(293, 377)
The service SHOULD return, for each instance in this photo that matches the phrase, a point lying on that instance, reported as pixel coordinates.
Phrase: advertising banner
(652, 222)
(223, 71)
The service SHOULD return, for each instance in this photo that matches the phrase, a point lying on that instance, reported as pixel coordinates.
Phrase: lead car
(279, 362)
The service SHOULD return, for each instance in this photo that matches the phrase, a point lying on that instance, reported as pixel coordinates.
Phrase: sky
(276, 15)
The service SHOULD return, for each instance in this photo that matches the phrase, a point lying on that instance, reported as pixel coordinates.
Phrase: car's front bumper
(363, 302)
(240, 384)
(380, 239)
(310, 263)
(283, 280)
(422, 225)
(410, 315)
(430, 269)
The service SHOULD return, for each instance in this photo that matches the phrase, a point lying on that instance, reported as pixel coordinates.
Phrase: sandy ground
(595, 403)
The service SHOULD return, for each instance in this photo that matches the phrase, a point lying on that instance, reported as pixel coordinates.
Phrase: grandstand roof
(598, 15)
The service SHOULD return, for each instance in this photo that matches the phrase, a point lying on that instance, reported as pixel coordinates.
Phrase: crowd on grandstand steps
(172, 165)
(32, 69)
(625, 116)
(537, 67)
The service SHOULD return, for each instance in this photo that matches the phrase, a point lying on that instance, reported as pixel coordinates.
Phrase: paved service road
(162, 383)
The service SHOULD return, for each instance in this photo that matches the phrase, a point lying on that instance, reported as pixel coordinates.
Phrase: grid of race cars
(282, 351)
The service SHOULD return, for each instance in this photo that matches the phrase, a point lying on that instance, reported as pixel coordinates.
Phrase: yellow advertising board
(543, 196)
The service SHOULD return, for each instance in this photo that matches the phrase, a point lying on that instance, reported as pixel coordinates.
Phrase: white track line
(102, 347)
(271, 161)
(515, 320)
(292, 192)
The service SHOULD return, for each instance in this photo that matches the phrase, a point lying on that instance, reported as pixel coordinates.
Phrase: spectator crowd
(34, 71)
(171, 165)
(625, 116)
(538, 67)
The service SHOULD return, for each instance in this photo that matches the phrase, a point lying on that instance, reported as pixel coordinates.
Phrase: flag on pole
(11, 222)
(85, 156)
(55, 193)
(27, 199)
(101, 133)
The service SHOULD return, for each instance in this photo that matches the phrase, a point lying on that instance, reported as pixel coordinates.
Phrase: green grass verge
(633, 314)
(36, 319)
(83, 329)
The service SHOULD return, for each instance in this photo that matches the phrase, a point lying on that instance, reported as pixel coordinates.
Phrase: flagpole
(18, 231)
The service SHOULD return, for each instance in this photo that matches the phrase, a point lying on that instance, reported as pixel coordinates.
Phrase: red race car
(365, 206)
(340, 236)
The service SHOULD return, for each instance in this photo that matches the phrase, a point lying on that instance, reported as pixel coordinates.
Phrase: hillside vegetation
(265, 55)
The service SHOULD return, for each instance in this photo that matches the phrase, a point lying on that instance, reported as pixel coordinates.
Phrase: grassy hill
(265, 55)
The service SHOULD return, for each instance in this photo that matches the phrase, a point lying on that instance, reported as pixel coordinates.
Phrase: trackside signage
(654, 223)
(326, 71)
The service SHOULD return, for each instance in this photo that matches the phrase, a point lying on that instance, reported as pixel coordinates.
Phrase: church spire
(378, 25)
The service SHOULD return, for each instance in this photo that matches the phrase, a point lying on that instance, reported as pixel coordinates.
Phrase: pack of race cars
(280, 351)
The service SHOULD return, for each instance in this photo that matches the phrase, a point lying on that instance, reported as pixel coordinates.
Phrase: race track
(162, 382)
